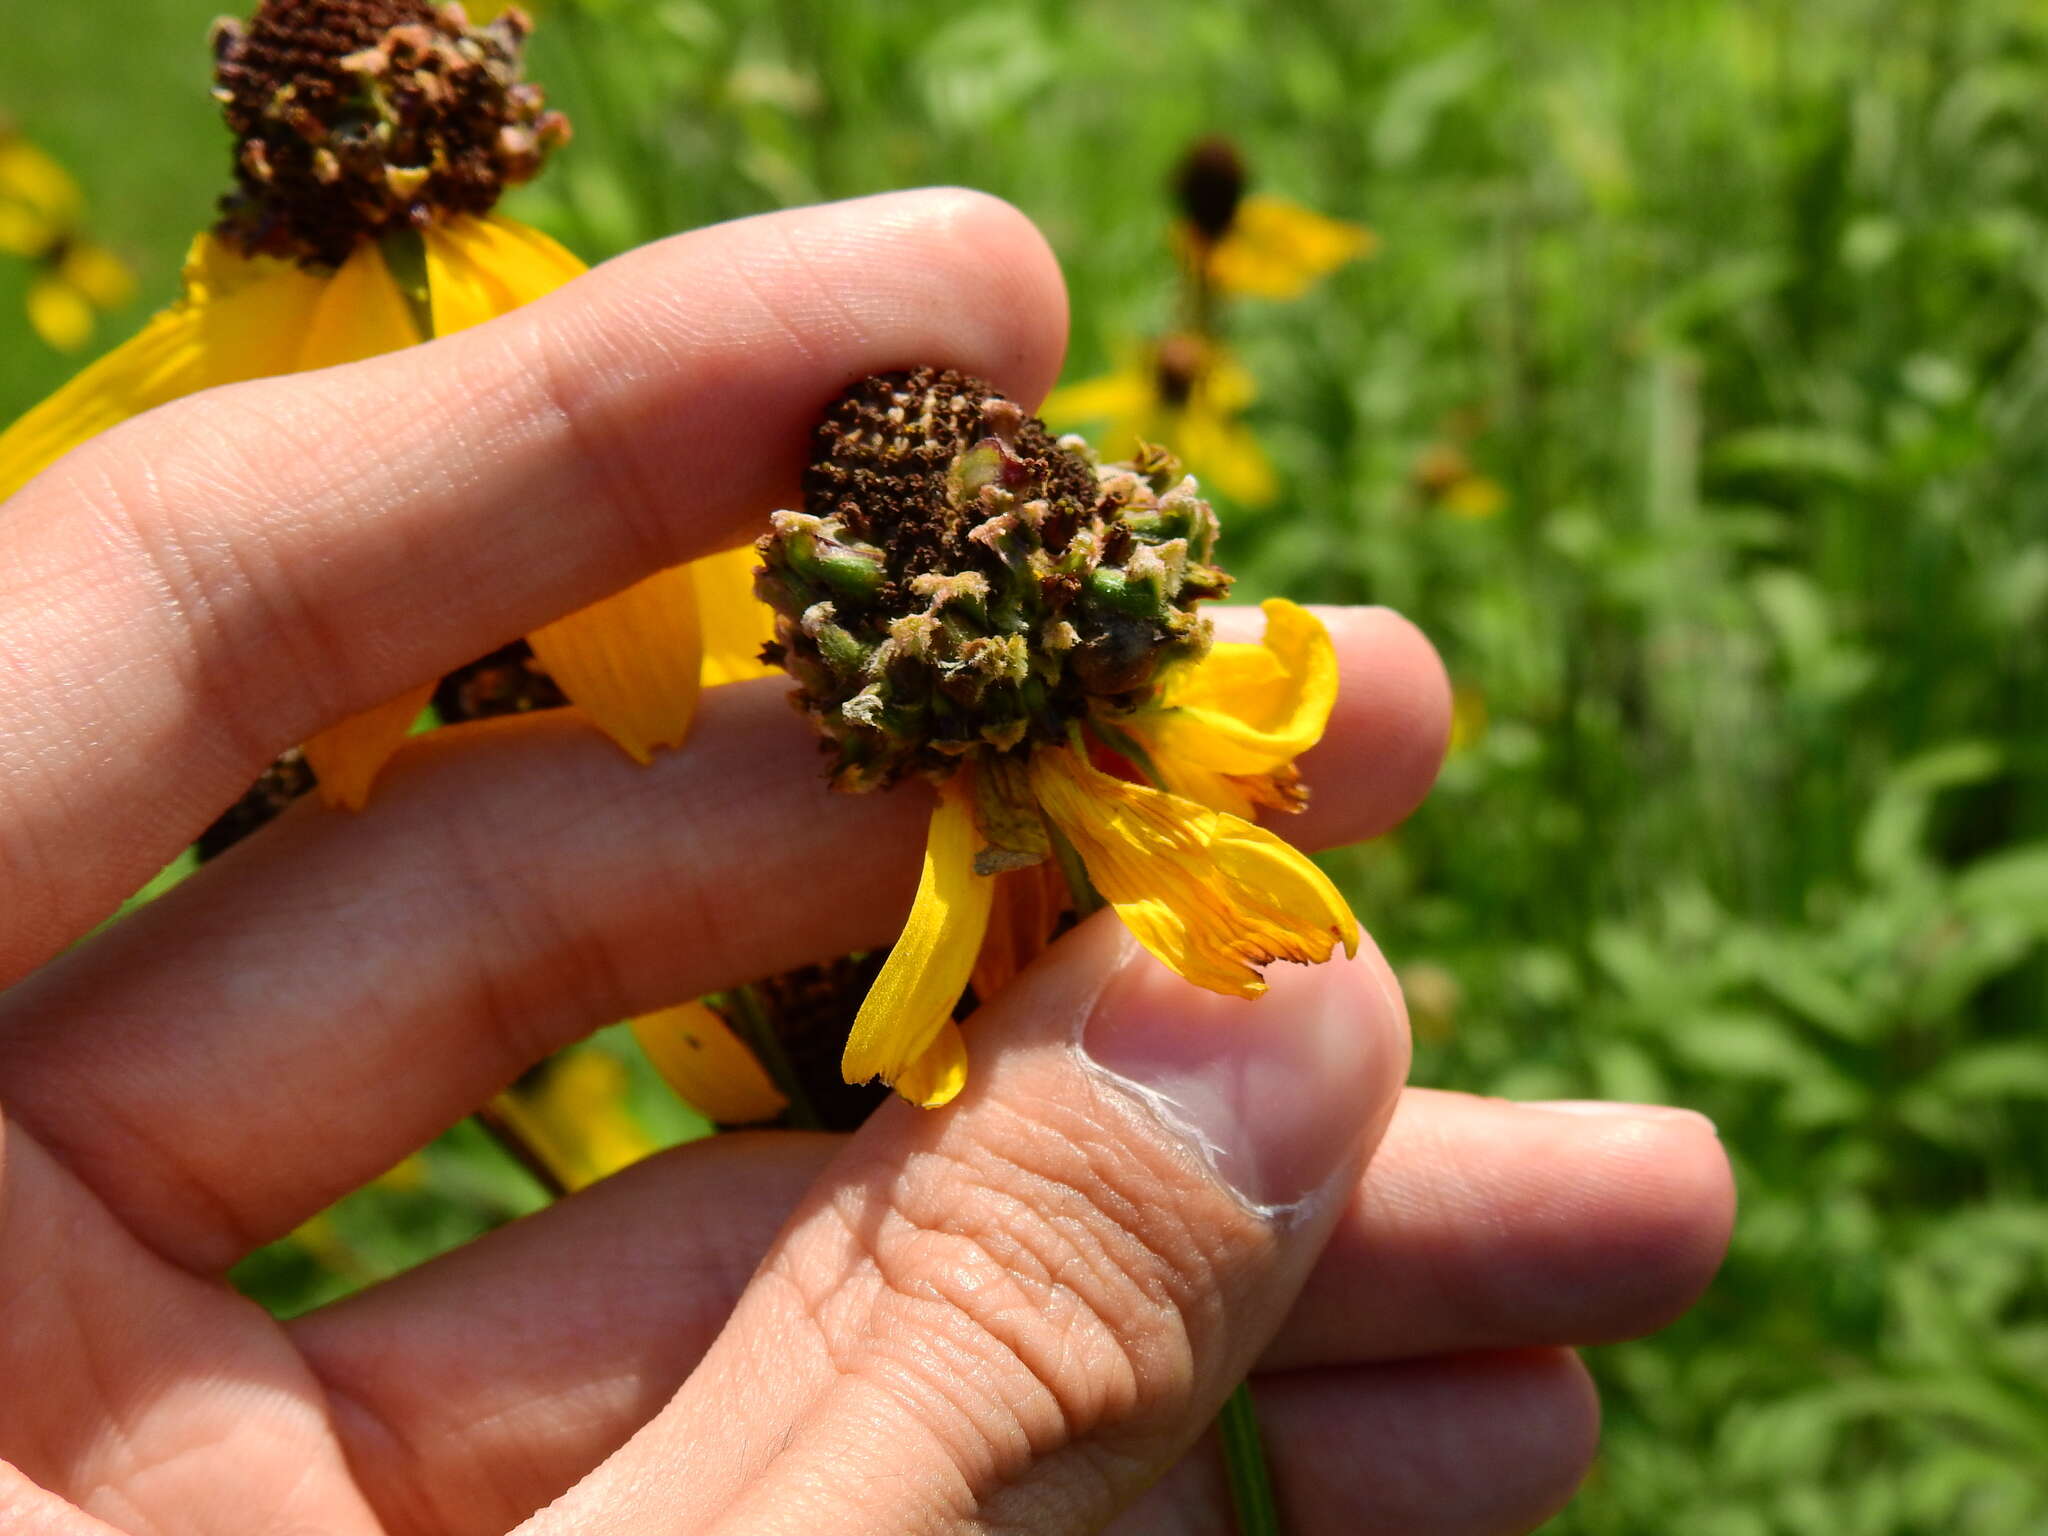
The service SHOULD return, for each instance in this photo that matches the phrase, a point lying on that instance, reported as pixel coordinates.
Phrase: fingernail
(1607, 1109)
(1276, 1092)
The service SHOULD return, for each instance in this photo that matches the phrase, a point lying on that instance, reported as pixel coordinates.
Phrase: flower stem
(1244, 1464)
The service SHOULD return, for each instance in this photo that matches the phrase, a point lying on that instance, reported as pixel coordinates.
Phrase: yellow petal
(1248, 709)
(362, 313)
(481, 268)
(575, 1119)
(939, 1071)
(1223, 455)
(60, 314)
(1127, 391)
(1210, 895)
(1476, 497)
(347, 758)
(1277, 249)
(632, 661)
(901, 1034)
(31, 178)
(239, 319)
(98, 273)
(735, 623)
(708, 1066)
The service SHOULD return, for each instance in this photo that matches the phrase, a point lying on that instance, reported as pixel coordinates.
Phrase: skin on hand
(1024, 1309)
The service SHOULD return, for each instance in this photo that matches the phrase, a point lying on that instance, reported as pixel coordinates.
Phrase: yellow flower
(1237, 242)
(1206, 891)
(76, 278)
(1186, 391)
(1276, 249)
(324, 259)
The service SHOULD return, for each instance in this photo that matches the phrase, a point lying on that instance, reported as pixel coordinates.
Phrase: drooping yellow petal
(347, 757)
(938, 1072)
(1210, 895)
(481, 268)
(1277, 249)
(239, 319)
(708, 1066)
(59, 313)
(1248, 709)
(735, 623)
(632, 661)
(902, 1034)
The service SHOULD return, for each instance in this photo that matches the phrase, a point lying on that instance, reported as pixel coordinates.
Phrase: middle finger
(299, 1016)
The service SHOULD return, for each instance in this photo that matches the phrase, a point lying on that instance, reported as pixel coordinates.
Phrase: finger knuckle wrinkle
(1010, 1296)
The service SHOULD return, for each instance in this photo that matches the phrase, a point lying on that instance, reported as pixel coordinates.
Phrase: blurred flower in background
(1254, 244)
(1185, 390)
(41, 221)
(1445, 477)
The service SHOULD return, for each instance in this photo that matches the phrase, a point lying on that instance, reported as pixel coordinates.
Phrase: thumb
(1018, 1311)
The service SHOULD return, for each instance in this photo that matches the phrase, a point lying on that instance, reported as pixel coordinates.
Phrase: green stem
(1244, 1463)
(760, 1035)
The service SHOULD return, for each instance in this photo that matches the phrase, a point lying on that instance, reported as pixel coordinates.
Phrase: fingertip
(1003, 256)
(1388, 734)
(1684, 1216)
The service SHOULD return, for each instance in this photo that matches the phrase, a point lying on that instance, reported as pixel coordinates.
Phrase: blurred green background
(1744, 308)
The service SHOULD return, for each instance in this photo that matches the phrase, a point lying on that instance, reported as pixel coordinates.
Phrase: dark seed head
(1209, 184)
(959, 582)
(354, 119)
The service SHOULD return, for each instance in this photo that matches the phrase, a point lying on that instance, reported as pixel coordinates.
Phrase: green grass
(1743, 304)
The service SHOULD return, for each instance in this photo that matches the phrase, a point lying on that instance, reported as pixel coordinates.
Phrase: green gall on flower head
(357, 119)
(958, 582)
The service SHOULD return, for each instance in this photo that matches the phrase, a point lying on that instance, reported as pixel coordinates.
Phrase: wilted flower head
(966, 600)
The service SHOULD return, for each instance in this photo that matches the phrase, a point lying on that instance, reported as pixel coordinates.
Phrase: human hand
(1018, 1313)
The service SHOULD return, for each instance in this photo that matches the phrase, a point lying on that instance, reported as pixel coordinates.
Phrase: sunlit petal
(481, 268)
(1248, 709)
(347, 757)
(239, 319)
(735, 623)
(1210, 895)
(709, 1067)
(362, 313)
(632, 661)
(901, 1034)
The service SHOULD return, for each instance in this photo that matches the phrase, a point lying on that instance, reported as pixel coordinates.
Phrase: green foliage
(1743, 306)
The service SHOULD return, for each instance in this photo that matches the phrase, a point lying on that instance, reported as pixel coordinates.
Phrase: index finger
(199, 589)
